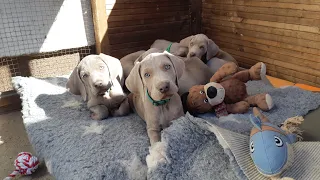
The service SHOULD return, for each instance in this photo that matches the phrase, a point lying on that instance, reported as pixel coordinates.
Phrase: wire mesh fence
(40, 65)
(34, 32)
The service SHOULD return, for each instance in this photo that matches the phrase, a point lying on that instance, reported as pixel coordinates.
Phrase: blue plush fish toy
(270, 146)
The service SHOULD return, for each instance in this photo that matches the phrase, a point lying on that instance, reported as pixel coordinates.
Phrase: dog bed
(73, 146)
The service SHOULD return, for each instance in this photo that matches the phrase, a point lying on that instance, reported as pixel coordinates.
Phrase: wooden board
(284, 34)
(128, 26)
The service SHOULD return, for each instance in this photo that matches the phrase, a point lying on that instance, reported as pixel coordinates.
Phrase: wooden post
(196, 13)
(100, 22)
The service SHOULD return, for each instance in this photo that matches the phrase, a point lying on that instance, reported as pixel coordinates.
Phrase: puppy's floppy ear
(134, 80)
(185, 42)
(177, 62)
(75, 85)
(212, 49)
(114, 67)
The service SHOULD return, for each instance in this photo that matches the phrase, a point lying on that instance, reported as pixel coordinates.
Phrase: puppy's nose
(192, 54)
(212, 92)
(98, 84)
(164, 87)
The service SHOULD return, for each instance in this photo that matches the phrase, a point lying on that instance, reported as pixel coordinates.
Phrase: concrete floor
(14, 140)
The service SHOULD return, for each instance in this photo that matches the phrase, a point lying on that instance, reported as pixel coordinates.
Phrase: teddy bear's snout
(212, 92)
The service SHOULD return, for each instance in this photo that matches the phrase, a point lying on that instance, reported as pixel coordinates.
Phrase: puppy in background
(172, 47)
(205, 49)
(153, 84)
(99, 80)
(127, 62)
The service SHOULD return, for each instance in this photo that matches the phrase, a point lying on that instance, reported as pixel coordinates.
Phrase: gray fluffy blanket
(76, 147)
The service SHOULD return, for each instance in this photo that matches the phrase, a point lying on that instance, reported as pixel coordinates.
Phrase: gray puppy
(99, 80)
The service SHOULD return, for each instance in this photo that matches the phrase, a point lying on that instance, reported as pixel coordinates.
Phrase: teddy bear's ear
(184, 100)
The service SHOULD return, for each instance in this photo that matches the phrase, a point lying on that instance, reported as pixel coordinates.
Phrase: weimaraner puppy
(99, 80)
(195, 71)
(153, 84)
(172, 47)
(204, 48)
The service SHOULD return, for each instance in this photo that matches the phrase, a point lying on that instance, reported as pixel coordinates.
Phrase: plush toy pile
(227, 92)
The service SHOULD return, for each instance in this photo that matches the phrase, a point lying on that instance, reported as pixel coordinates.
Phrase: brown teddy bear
(227, 92)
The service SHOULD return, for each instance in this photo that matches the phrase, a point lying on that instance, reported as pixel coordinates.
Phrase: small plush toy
(270, 146)
(227, 92)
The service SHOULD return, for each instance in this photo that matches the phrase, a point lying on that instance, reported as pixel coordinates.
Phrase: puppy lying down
(201, 46)
(99, 80)
(153, 84)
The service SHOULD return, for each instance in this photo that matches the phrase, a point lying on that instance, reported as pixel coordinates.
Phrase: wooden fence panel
(284, 34)
(133, 25)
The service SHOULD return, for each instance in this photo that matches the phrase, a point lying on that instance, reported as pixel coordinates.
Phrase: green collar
(157, 103)
(169, 47)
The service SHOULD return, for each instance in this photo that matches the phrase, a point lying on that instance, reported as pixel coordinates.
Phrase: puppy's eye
(85, 75)
(201, 92)
(201, 47)
(146, 75)
(101, 67)
(167, 67)
(205, 101)
(191, 44)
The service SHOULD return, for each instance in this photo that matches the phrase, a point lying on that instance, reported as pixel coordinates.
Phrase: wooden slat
(280, 25)
(265, 29)
(131, 45)
(169, 25)
(294, 1)
(134, 5)
(275, 62)
(277, 50)
(185, 18)
(100, 26)
(140, 1)
(164, 9)
(161, 33)
(284, 71)
(147, 16)
(123, 52)
(230, 8)
(272, 18)
(277, 38)
(308, 7)
(196, 11)
(252, 62)
(265, 42)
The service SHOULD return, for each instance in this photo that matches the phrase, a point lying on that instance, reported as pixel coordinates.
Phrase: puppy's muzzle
(212, 92)
(101, 86)
(163, 87)
(192, 54)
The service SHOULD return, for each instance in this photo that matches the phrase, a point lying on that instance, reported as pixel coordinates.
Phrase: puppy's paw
(157, 155)
(123, 110)
(99, 112)
(95, 116)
